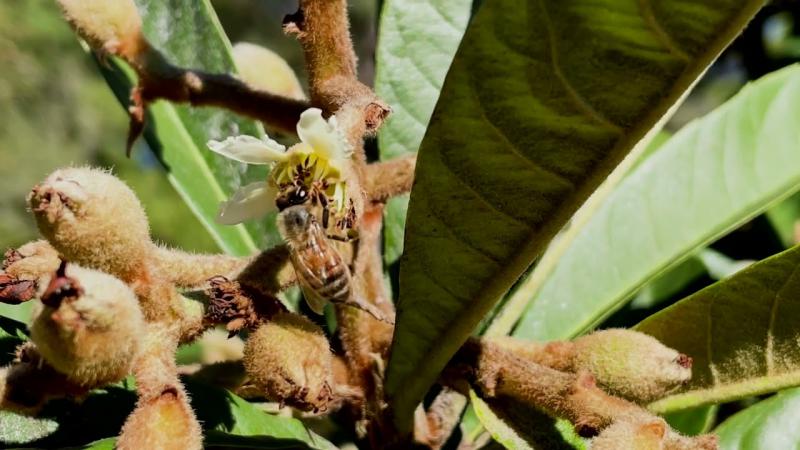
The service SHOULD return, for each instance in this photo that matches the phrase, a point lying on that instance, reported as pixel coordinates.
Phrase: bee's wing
(313, 299)
(304, 262)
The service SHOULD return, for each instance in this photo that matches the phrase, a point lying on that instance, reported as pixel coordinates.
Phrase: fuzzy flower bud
(110, 25)
(632, 365)
(93, 219)
(264, 69)
(626, 363)
(290, 360)
(88, 327)
(164, 422)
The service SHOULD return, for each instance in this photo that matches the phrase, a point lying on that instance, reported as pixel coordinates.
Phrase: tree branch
(497, 374)
(322, 27)
(384, 180)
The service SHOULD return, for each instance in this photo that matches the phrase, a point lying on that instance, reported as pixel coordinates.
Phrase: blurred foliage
(51, 121)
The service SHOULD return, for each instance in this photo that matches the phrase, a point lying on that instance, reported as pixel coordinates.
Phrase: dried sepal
(93, 219)
(88, 326)
(22, 268)
(233, 305)
(290, 360)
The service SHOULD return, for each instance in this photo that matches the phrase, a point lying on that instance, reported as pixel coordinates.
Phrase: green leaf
(668, 284)
(417, 41)
(785, 217)
(542, 100)
(102, 444)
(20, 429)
(769, 424)
(222, 411)
(713, 175)
(740, 332)
(189, 34)
(517, 427)
(692, 422)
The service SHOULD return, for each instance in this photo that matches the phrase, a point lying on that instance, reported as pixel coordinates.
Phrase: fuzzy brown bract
(83, 336)
(290, 360)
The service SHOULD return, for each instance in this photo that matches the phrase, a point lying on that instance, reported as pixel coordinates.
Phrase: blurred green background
(57, 110)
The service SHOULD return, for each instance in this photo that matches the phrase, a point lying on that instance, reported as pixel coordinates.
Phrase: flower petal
(323, 136)
(248, 149)
(249, 202)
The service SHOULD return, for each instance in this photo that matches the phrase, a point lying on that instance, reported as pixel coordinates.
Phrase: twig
(495, 373)
(322, 28)
(159, 79)
(384, 180)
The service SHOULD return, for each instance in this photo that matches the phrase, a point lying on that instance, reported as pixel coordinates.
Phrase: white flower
(323, 148)
(323, 136)
(250, 150)
(249, 202)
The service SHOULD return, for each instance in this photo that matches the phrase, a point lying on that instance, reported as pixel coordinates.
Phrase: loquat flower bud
(625, 363)
(264, 69)
(93, 219)
(632, 435)
(88, 326)
(109, 25)
(631, 365)
(290, 360)
(164, 422)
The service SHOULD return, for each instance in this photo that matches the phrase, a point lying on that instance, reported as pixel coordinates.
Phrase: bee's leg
(370, 309)
(334, 237)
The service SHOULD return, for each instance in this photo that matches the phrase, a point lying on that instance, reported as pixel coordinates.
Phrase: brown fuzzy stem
(192, 270)
(159, 79)
(391, 178)
(270, 272)
(322, 27)
(163, 417)
(441, 419)
(495, 373)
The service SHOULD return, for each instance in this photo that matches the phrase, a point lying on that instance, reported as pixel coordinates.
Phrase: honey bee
(322, 273)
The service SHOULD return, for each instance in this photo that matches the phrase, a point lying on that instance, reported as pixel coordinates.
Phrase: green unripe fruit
(290, 360)
(93, 219)
(88, 327)
(630, 364)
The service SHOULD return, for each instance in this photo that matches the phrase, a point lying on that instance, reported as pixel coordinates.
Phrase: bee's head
(294, 221)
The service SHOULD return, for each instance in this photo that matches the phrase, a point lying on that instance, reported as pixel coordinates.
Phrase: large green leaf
(740, 332)
(189, 34)
(417, 41)
(542, 100)
(769, 424)
(713, 175)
